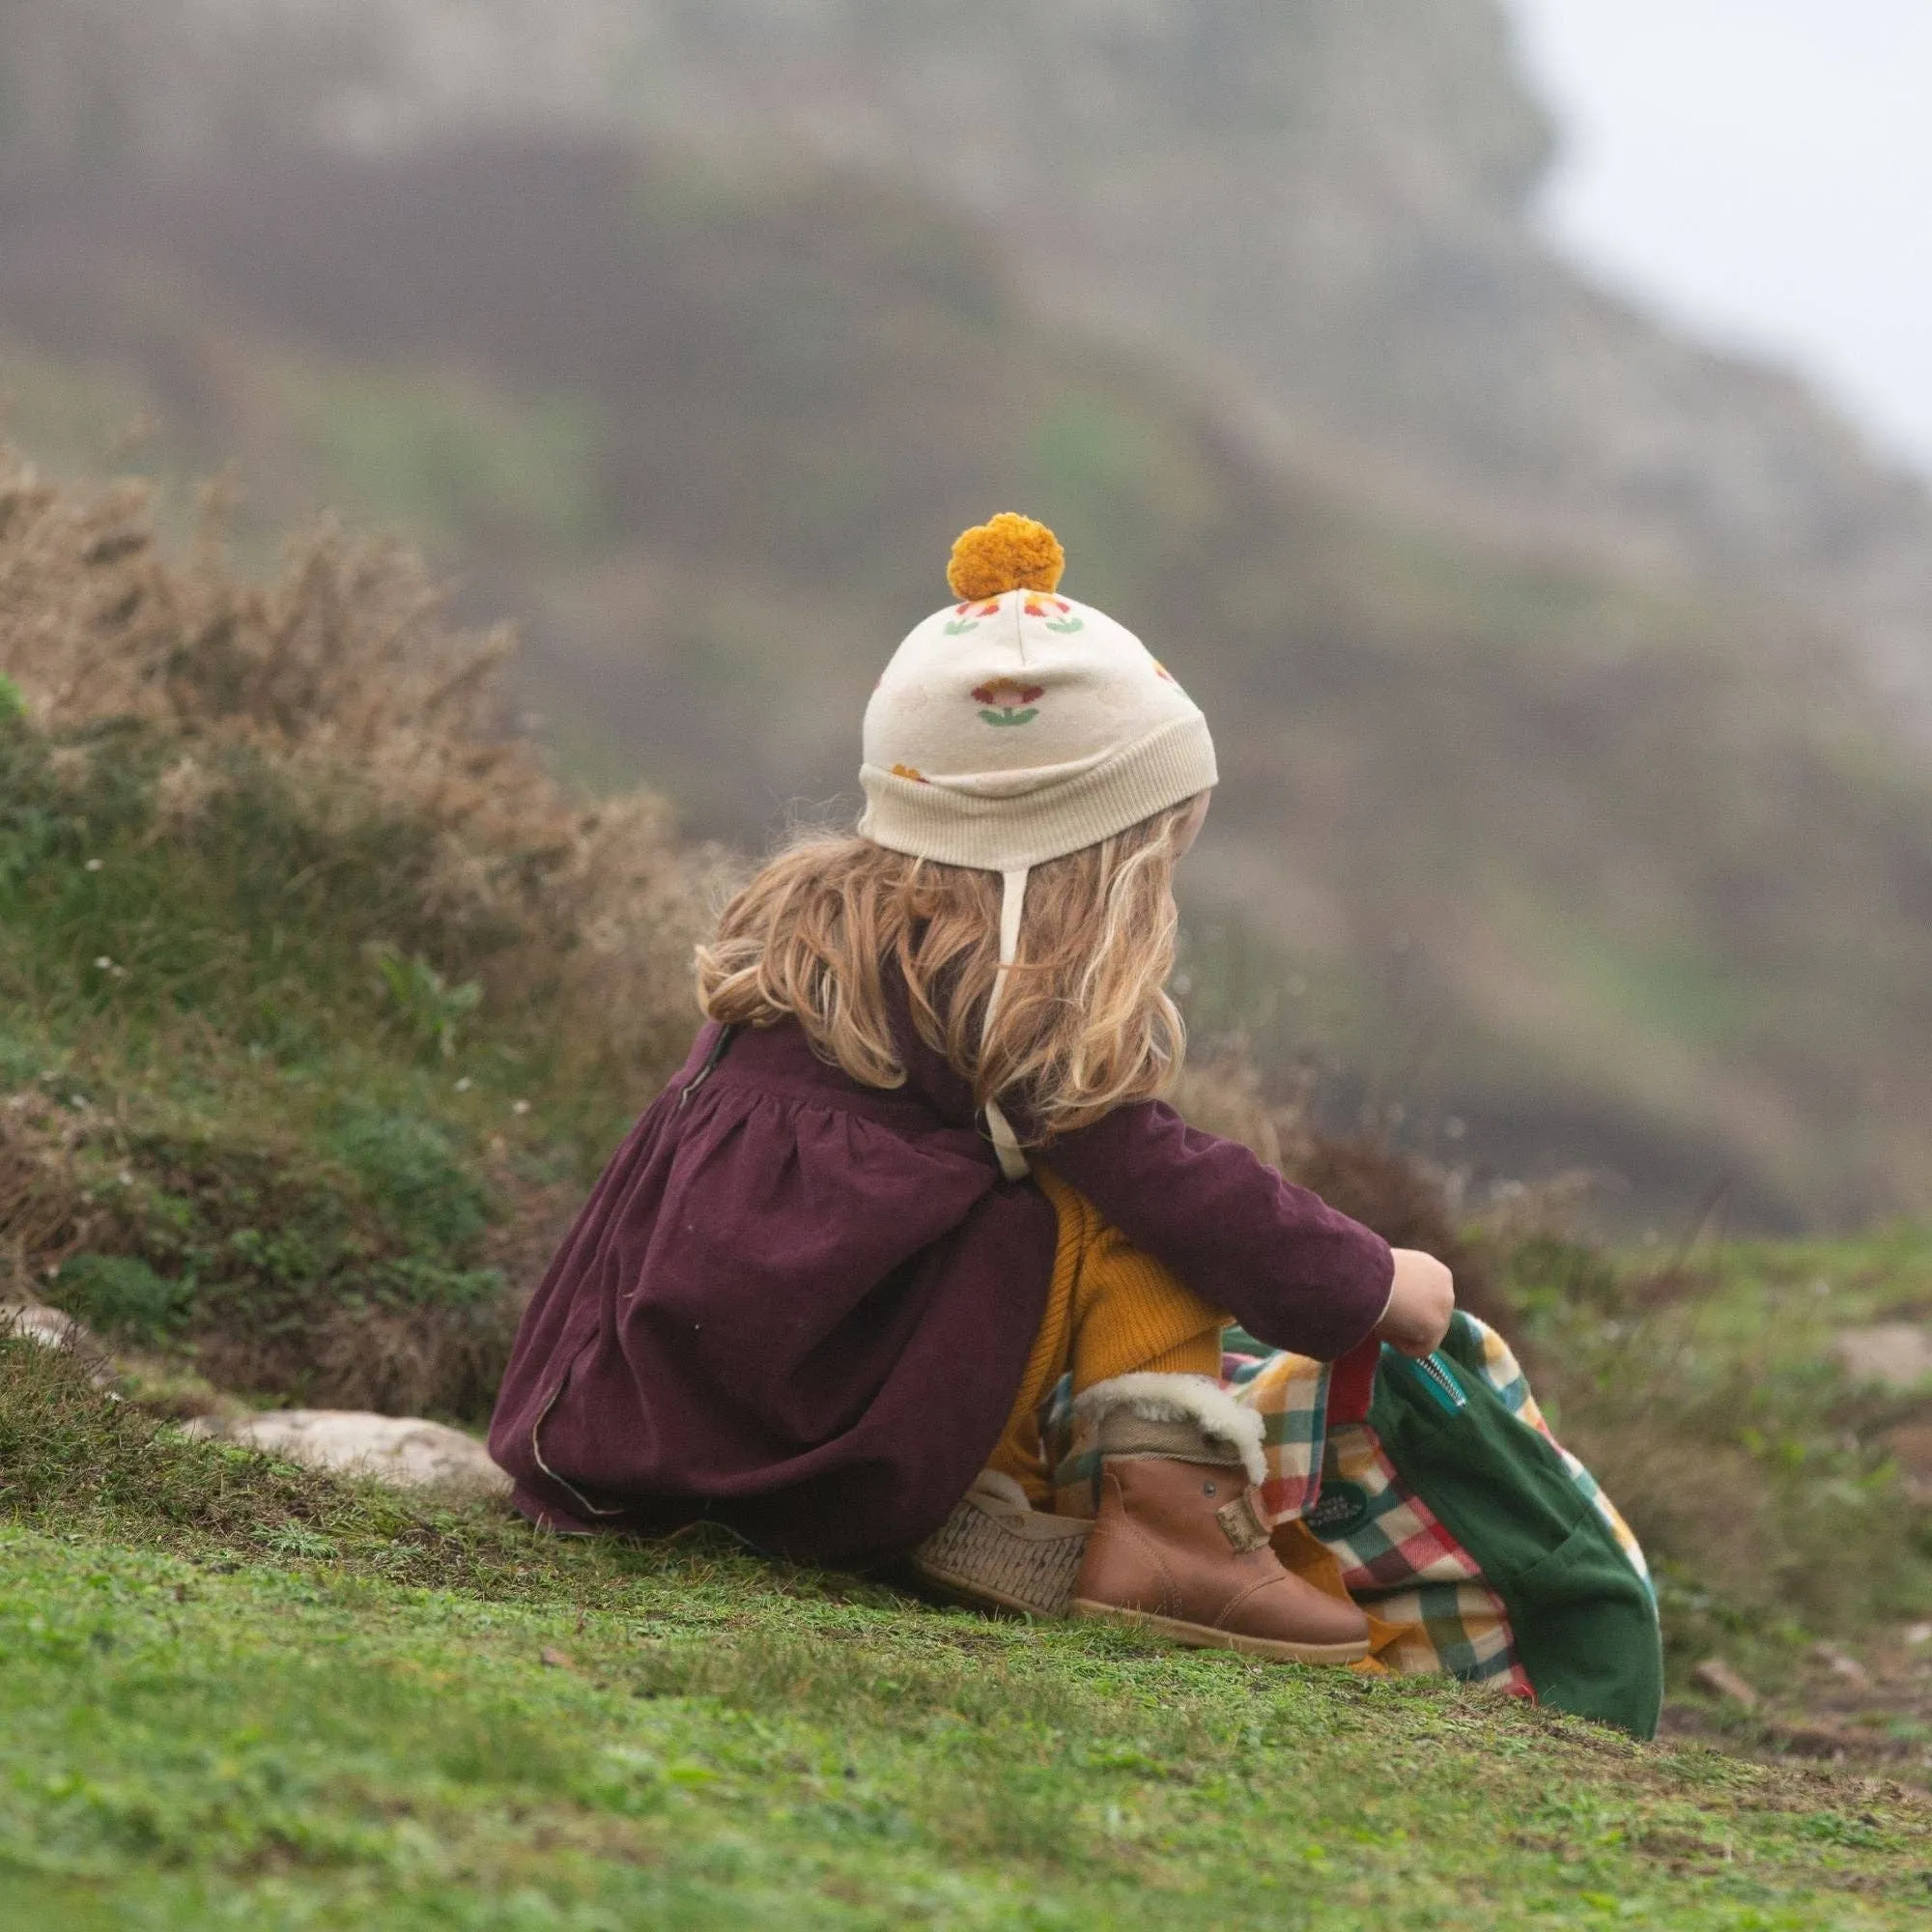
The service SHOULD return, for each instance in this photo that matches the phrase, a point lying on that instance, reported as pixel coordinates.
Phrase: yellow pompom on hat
(1017, 725)
(1012, 553)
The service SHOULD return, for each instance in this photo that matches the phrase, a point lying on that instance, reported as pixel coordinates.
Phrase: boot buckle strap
(1242, 1523)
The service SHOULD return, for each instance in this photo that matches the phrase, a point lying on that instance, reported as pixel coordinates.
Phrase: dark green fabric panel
(1585, 1625)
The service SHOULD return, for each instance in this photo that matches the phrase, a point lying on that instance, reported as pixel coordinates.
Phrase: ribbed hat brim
(929, 820)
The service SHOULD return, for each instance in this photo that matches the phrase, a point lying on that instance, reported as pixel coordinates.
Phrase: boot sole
(1202, 1636)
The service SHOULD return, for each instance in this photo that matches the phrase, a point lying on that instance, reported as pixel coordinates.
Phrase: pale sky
(1760, 170)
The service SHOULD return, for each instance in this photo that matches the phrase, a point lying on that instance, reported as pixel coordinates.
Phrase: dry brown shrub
(1406, 1200)
(1220, 1093)
(43, 1216)
(412, 1361)
(343, 671)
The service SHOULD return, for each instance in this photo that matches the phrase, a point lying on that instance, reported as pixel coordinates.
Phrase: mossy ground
(236, 1691)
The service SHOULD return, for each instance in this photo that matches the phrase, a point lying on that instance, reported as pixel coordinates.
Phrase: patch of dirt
(1869, 1710)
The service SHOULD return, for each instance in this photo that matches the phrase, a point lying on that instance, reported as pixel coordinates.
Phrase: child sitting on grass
(917, 1168)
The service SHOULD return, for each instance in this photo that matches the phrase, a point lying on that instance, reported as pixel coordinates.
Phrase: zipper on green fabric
(1435, 1375)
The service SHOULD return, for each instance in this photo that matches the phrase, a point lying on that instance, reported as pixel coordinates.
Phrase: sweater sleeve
(1290, 1269)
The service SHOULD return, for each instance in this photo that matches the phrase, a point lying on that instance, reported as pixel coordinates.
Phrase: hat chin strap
(1013, 902)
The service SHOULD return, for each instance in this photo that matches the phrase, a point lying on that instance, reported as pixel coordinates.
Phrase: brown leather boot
(1178, 1546)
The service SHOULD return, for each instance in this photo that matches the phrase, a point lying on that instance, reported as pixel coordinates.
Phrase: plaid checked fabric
(1405, 1570)
(1425, 1592)
(1398, 1561)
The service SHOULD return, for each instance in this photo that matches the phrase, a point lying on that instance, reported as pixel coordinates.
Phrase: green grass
(272, 1111)
(238, 1692)
(1705, 1397)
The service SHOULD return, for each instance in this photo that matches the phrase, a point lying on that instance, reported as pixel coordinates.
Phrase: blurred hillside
(1560, 796)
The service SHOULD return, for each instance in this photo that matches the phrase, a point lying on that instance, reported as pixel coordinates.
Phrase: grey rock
(55, 1328)
(1841, 1663)
(403, 1450)
(1894, 1354)
(1717, 1677)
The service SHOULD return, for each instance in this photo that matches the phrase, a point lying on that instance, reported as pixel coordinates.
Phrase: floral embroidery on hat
(966, 616)
(1042, 604)
(1161, 670)
(1004, 700)
(912, 772)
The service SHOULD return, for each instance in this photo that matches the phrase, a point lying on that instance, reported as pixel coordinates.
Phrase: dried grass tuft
(344, 671)
(1409, 1201)
(43, 1216)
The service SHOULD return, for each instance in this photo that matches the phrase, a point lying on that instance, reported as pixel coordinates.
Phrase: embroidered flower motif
(966, 616)
(1042, 604)
(911, 771)
(1004, 700)
(1162, 671)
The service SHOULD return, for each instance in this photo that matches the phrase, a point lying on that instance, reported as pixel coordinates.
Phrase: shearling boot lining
(1227, 1431)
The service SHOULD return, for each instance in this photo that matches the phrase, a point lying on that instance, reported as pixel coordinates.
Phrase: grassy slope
(1765, 1485)
(249, 1155)
(233, 1689)
(242, 1113)
(288, 1081)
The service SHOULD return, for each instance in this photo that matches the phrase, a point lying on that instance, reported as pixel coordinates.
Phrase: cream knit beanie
(1017, 725)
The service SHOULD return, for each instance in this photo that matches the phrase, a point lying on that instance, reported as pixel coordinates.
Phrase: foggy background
(1509, 423)
(1758, 170)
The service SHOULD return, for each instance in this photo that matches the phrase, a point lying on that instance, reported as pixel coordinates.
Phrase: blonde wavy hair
(1083, 1025)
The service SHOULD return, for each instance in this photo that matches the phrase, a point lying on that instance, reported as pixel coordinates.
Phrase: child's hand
(1420, 1304)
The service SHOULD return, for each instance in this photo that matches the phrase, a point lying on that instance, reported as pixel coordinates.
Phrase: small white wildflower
(520, 1106)
(126, 1179)
(103, 964)
(463, 1085)
(93, 865)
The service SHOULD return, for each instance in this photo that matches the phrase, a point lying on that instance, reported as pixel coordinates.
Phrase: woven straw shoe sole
(995, 1554)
